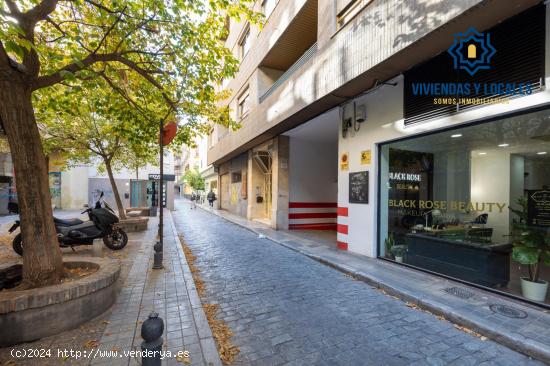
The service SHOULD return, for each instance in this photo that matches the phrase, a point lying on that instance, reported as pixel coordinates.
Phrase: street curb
(206, 340)
(528, 347)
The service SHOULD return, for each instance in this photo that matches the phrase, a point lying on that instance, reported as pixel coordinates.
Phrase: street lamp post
(157, 262)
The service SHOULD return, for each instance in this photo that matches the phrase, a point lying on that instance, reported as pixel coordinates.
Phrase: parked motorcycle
(74, 232)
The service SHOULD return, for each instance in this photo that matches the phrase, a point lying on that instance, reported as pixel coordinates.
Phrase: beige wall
(381, 30)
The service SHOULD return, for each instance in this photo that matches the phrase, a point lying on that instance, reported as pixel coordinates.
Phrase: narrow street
(285, 308)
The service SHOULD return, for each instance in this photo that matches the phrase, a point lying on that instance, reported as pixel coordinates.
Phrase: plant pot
(399, 259)
(535, 291)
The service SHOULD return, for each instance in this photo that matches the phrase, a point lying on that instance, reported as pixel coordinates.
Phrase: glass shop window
(472, 203)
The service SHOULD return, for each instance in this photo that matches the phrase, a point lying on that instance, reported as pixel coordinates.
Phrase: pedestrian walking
(193, 201)
(211, 197)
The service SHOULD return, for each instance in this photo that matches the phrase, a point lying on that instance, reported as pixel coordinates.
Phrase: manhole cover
(459, 292)
(508, 311)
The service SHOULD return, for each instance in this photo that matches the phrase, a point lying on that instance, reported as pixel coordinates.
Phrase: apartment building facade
(408, 128)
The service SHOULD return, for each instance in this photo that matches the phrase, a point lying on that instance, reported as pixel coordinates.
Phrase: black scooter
(74, 232)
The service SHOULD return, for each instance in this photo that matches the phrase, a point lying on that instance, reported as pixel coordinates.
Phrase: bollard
(97, 248)
(151, 347)
(157, 257)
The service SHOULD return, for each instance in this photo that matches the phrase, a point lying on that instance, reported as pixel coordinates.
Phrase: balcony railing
(295, 66)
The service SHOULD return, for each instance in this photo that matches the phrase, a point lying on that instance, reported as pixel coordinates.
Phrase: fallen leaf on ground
(220, 330)
(92, 343)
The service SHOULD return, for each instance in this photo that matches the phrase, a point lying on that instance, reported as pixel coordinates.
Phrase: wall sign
(359, 187)
(538, 208)
(365, 157)
(344, 161)
(166, 177)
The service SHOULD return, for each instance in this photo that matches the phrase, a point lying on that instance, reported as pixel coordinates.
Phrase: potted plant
(389, 242)
(531, 248)
(399, 251)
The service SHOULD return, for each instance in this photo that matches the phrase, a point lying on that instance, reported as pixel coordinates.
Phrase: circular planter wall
(28, 315)
(133, 224)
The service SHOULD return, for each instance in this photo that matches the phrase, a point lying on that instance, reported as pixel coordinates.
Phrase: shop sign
(451, 205)
(166, 177)
(344, 161)
(365, 157)
(471, 51)
(359, 187)
(410, 177)
(479, 68)
(538, 208)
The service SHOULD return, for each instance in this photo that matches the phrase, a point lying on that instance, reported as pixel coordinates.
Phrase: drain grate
(459, 292)
(508, 311)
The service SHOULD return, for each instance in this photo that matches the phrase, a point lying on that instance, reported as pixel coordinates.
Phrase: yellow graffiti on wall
(233, 198)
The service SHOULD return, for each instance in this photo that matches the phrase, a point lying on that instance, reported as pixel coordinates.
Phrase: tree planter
(535, 291)
(137, 211)
(133, 224)
(28, 315)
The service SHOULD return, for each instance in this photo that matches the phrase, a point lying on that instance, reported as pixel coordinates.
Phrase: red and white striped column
(312, 215)
(342, 228)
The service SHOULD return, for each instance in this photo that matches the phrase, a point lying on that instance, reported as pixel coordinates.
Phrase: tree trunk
(42, 260)
(119, 206)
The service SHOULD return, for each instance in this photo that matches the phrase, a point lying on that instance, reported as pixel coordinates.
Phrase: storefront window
(472, 203)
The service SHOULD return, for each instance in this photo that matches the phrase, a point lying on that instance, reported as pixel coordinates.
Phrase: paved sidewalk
(286, 309)
(519, 326)
(171, 293)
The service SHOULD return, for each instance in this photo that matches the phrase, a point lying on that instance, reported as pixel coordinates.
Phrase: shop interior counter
(487, 264)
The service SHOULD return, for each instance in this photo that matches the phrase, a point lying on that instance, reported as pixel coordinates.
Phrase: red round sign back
(169, 132)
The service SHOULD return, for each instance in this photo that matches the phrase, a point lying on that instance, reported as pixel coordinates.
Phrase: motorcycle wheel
(17, 244)
(116, 240)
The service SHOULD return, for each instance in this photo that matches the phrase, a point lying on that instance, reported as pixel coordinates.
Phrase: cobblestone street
(285, 308)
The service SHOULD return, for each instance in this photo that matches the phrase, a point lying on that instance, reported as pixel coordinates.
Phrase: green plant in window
(399, 250)
(531, 244)
(389, 242)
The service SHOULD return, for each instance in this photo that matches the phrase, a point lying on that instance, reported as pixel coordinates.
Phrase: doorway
(224, 191)
(263, 161)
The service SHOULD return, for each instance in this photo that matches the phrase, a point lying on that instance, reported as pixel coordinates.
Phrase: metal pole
(161, 188)
(157, 262)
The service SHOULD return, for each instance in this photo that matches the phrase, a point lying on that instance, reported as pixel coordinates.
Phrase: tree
(194, 179)
(101, 125)
(171, 45)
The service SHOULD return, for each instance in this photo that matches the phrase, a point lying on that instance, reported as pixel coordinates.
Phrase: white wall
(490, 183)
(74, 188)
(313, 174)
(131, 174)
(384, 111)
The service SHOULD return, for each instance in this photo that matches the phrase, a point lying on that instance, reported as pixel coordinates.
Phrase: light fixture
(541, 153)
(503, 145)
(482, 153)
(456, 135)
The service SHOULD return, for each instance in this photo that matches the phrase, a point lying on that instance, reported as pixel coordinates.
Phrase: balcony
(291, 70)
(296, 45)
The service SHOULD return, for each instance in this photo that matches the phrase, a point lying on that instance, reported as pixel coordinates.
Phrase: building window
(268, 6)
(236, 177)
(244, 43)
(350, 11)
(460, 202)
(243, 104)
